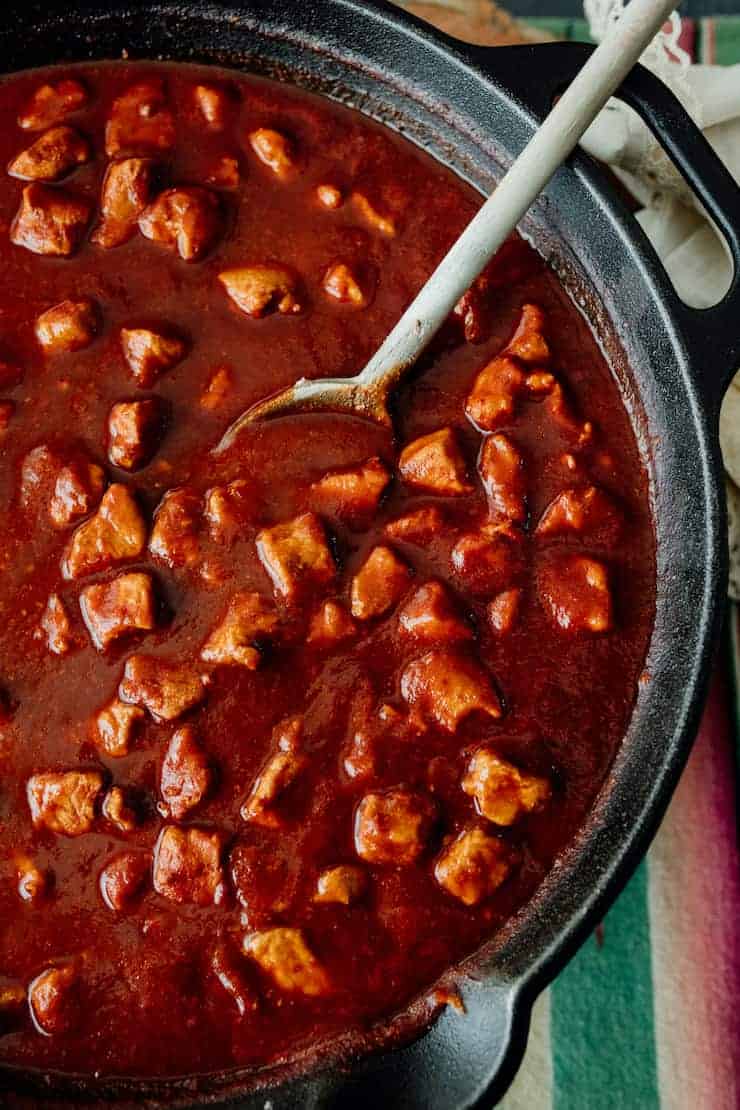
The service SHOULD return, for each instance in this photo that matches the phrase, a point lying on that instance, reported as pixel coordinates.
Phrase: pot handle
(712, 335)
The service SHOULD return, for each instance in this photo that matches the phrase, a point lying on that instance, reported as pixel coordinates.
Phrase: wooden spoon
(366, 395)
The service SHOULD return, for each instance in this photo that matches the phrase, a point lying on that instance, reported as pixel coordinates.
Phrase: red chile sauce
(156, 986)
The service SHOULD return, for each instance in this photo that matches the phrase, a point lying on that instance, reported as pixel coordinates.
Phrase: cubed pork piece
(165, 688)
(176, 529)
(275, 151)
(379, 584)
(446, 687)
(372, 217)
(495, 395)
(503, 610)
(250, 618)
(473, 866)
(229, 510)
(186, 775)
(34, 884)
(187, 220)
(528, 342)
(187, 865)
(118, 810)
(280, 772)
(353, 493)
(140, 121)
(296, 556)
(114, 727)
(53, 999)
(330, 196)
(344, 885)
(55, 153)
(123, 878)
(218, 389)
(501, 791)
(490, 560)
(50, 221)
(343, 284)
(283, 953)
(393, 827)
(434, 463)
(262, 288)
(134, 429)
(585, 511)
(149, 353)
(116, 532)
(64, 802)
(418, 527)
(331, 624)
(51, 102)
(119, 607)
(54, 627)
(67, 326)
(575, 593)
(431, 615)
(78, 489)
(125, 193)
(502, 471)
(230, 975)
(212, 104)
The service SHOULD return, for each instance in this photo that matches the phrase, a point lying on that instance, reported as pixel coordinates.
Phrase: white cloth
(694, 254)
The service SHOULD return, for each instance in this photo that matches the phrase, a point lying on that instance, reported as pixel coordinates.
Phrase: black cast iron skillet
(473, 108)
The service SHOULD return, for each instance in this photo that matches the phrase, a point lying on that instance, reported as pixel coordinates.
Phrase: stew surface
(289, 730)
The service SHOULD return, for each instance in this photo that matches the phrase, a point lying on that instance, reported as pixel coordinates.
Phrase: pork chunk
(52, 102)
(218, 389)
(586, 511)
(67, 326)
(78, 489)
(187, 866)
(501, 467)
(187, 220)
(55, 628)
(495, 394)
(123, 878)
(501, 791)
(64, 802)
(579, 432)
(140, 121)
(379, 584)
(345, 286)
(330, 196)
(232, 979)
(259, 289)
(116, 532)
(54, 154)
(473, 866)
(249, 619)
(331, 625)
(490, 560)
(176, 528)
(574, 592)
(503, 611)
(370, 214)
(49, 221)
(133, 432)
(165, 688)
(274, 150)
(446, 687)
(393, 827)
(33, 883)
(149, 353)
(296, 555)
(212, 103)
(528, 342)
(186, 775)
(126, 191)
(431, 615)
(285, 956)
(344, 884)
(353, 493)
(419, 527)
(229, 509)
(435, 463)
(280, 772)
(114, 727)
(53, 999)
(117, 809)
(116, 608)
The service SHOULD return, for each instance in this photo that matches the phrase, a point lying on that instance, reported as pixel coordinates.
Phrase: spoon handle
(547, 149)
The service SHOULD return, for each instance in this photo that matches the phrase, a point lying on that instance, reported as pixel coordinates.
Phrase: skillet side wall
(446, 99)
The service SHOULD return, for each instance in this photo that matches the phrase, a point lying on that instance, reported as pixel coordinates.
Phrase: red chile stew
(288, 732)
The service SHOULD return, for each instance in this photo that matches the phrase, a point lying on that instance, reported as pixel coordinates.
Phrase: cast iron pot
(474, 108)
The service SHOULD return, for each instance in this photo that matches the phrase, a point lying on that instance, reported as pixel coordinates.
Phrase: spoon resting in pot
(366, 394)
